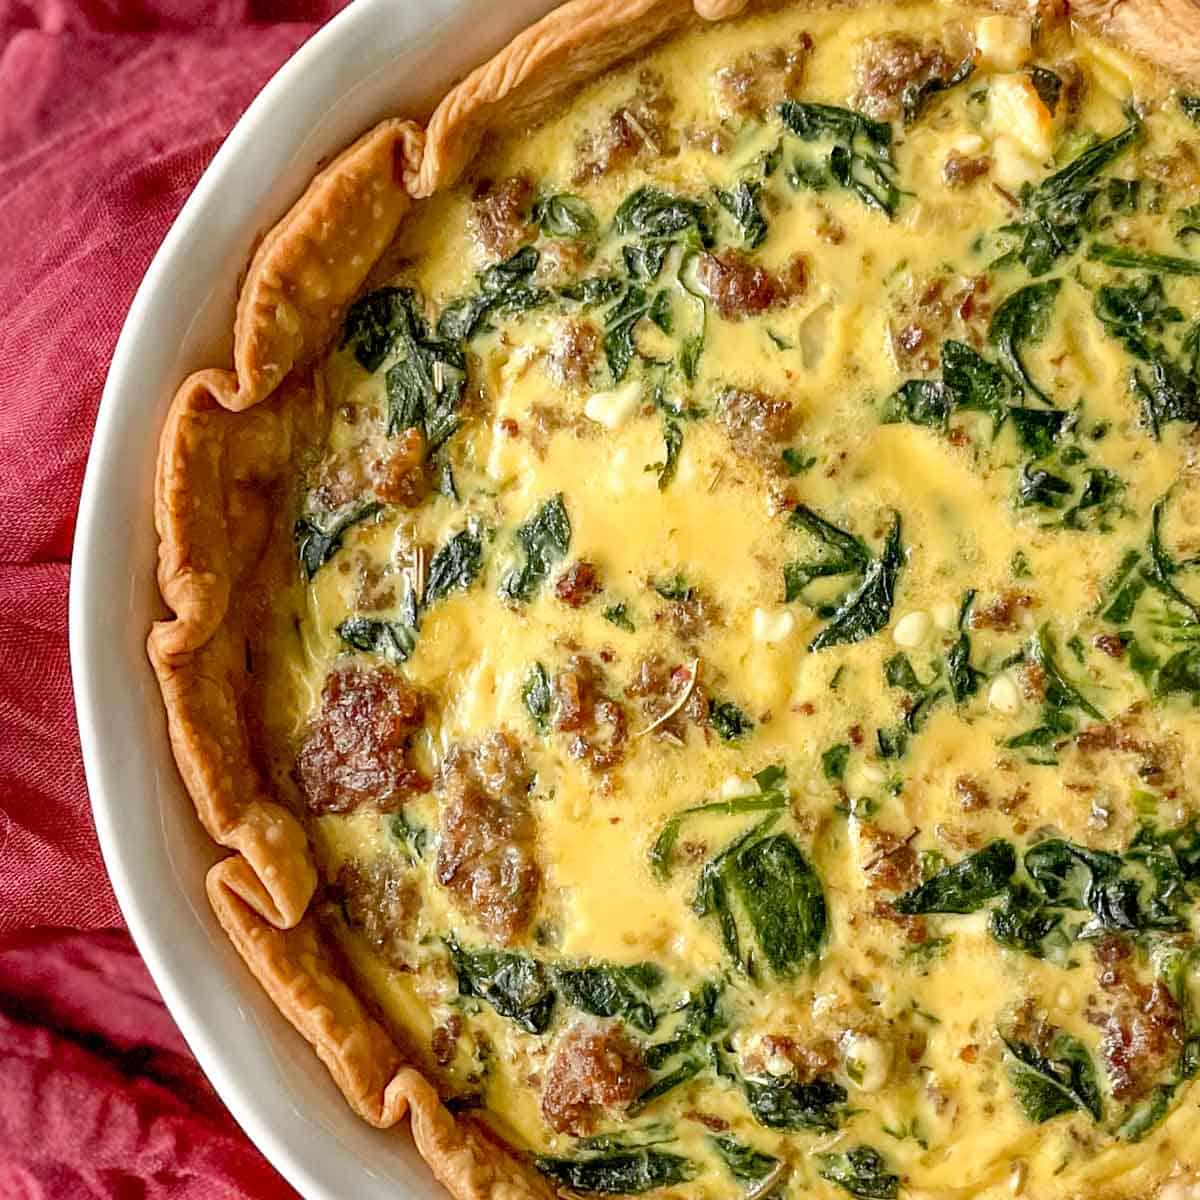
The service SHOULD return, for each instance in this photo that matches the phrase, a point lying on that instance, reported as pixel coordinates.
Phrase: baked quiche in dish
(686, 607)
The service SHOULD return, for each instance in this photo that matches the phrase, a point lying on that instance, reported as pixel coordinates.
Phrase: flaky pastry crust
(227, 445)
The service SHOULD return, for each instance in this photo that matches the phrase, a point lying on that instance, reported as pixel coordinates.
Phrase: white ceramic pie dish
(378, 58)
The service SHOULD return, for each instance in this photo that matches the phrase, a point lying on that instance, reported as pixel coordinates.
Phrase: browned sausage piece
(486, 834)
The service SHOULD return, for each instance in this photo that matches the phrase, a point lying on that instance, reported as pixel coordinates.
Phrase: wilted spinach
(746, 1164)
(1057, 211)
(392, 640)
(965, 886)
(1139, 260)
(833, 762)
(650, 212)
(1060, 699)
(861, 1171)
(625, 1173)
(772, 796)
(1023, 319)
(964, 679)
(728, 721)
(454, 565)
(841, 553)
(561, 215)
(516, 986)
(545, 539)
(783, 1103)
(860, 159)
(779, 895)
(538, 697)
(1061, 1081)
(741, 203)
(319, 535)
(503, 289)
(609, 990)
(866, 610)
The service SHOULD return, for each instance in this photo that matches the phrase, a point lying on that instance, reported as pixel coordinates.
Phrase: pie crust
(228, 438)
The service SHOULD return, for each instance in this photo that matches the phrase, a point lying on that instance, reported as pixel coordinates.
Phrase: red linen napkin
(109, 111)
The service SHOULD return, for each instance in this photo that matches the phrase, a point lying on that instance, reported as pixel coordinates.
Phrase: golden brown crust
(310, 265)
(535, 70)
(219, 463)
(1166, 32)
(296, 970)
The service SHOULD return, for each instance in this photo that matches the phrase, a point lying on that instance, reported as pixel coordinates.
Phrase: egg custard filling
(734, 644)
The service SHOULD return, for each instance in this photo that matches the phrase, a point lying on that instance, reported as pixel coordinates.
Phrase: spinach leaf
(974, 384)
(742, 205)
(1133, 894)
(1101, 494)
(1059, 691)
(673, 441)
(627, 1173)
(841, 553)
(772, 796)
(918, 402)
(1137, 260)
(860, 159)
(618, 615)
(782, 1103)
(1130, 313)
(619, 323)
(454, 565)
(783, 900)
(319, 536)
(729, 722)
(964, 679)
(597, 289)
(538, 697)
(745, 1164)
(867, 609)
(1038, 429)
(1060, 697)
(1190, 106)
(915, 96)
(861, 1171)
(1162, 567)
(688, 1069)
(392, 640)
(503, 289)
(1023, 921)
(561, 215)
(1037, 486)
(964, 886)
(373, 325)
(833, 762)
(1125, 588)
(650, 212)
(545, 539)
(1023, 319)
(607, 990)
(702, 1018)
(788, 1104)
(517, 987)
(1050, 1085)
(424, 390)
(413, 837)
(1180, 673)
(1056, 212)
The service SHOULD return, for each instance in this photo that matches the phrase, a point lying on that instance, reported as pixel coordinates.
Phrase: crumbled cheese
(771, 627)
(736, 786)
(613, 409)
(912, 629)
(1003, 43)
(1016, 111)
(1004, 696)
(945, 615)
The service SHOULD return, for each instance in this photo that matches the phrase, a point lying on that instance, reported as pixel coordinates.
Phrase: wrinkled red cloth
(109, 112)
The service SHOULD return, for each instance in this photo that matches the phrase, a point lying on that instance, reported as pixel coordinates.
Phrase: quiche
(685, 611)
